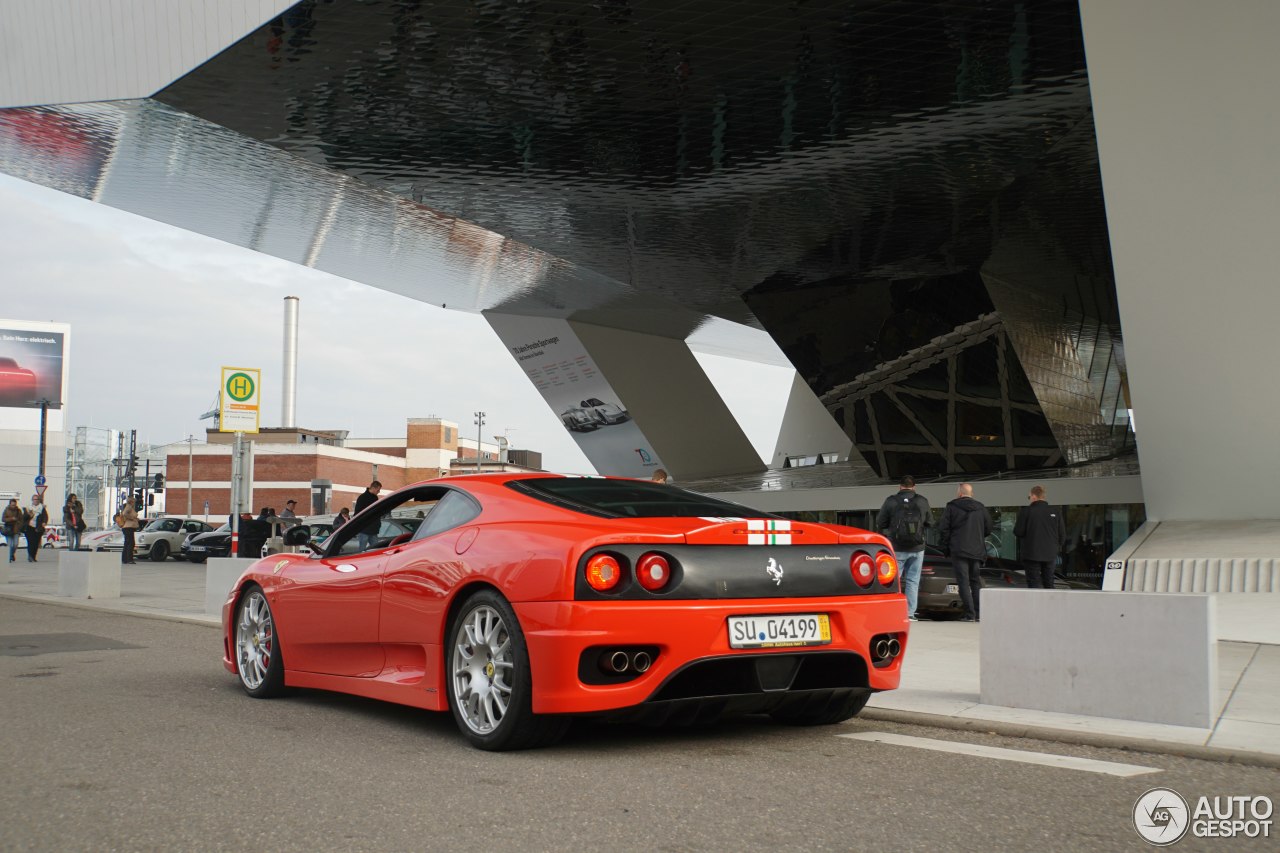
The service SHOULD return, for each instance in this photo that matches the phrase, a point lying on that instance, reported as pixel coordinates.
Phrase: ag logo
(774, 568)
(1161, 816)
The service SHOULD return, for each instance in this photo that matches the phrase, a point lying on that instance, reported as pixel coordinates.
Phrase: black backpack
(907, 528)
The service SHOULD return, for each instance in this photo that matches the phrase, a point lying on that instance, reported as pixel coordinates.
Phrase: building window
(448, 434)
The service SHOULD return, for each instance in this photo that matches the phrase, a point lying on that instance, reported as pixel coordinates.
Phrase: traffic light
(158, 484)
(137, 499)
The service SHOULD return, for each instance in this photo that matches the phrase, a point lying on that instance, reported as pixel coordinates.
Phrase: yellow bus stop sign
(239, 410)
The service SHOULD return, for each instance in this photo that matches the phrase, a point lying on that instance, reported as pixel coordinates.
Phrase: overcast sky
(155, 311)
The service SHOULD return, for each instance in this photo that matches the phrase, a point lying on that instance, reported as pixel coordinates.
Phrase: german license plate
(953, 588)
(769, 632)
(196, 548)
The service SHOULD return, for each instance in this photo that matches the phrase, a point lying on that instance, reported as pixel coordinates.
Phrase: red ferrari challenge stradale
(518, 602)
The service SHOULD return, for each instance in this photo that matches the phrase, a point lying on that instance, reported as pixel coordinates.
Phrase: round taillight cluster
(603, 572)
(866, 569)
(653, 571)
(863, 568)
(886, 568)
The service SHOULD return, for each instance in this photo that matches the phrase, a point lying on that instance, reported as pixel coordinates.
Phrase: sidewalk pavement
(940, 683)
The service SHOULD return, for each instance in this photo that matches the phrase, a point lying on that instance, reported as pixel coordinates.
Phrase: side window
(453, 509)
(171, 526)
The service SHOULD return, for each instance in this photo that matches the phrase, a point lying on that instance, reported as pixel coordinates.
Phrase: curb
(1050, 733)
(98, 608)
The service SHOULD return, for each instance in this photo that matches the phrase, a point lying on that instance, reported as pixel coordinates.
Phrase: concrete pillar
(1187, 129)
(659, 408)
(808, 428)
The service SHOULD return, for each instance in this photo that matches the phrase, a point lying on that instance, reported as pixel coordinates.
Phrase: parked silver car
(162, 537)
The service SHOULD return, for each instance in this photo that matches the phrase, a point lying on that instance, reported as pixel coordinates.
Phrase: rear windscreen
(629, 499)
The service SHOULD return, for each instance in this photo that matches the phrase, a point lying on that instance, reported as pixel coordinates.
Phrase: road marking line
(1067, 762)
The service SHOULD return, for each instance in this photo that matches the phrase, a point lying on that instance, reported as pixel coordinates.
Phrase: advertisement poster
(30, 368)
(558, 365)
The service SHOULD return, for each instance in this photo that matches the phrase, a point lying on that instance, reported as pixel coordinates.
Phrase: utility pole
(44, 433)
(479, 428)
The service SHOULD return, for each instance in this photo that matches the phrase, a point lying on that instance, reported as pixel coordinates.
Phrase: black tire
(837, 710)
(195, 558)
(160, 551)
(256, 646)
(518, 727)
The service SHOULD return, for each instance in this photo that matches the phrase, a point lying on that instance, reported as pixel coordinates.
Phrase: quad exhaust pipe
(886, 648)
(619, 662)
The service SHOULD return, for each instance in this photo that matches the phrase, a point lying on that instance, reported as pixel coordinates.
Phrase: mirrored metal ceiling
(864, 181)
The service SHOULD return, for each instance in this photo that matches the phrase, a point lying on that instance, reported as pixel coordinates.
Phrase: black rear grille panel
(743, 675)
(709, 572)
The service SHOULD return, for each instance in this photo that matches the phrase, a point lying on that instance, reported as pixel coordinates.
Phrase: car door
(327, 613)
(418, 579)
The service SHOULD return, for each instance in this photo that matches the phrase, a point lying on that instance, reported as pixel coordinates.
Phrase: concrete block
(89, 574)
(1136, 656)
(220, 575)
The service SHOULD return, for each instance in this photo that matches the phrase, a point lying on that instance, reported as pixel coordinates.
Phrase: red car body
(17, 384)
(378, 623)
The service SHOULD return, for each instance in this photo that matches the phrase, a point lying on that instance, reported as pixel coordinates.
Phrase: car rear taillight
(886, 568)
(863, 569)
(653, 571)
(603, 572)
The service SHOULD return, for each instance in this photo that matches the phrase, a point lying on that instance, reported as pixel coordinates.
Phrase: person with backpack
(1041, 535)
(902, 519)
(965, 526)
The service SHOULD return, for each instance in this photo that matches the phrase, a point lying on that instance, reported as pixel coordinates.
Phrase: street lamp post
(479, 428)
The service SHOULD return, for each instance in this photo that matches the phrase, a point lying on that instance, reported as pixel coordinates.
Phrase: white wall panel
(1187, 122)
(72, 51)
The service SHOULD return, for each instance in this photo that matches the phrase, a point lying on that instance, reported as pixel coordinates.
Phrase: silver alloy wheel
(255, 640)
(483, 662)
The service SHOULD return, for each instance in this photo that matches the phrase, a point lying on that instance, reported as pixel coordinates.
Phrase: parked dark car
(940, 594)
(202, 546)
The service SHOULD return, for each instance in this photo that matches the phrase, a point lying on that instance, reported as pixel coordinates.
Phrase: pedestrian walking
(12, 523)
(903, 518)
(343, 516)
(1041, 534)
(37, 519)
(127, 518)
(288, 509)
(964, 527)
(73, 521)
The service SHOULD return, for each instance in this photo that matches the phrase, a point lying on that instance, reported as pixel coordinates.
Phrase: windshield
(629, 499)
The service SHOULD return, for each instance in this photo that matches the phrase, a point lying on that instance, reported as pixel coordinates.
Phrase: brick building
(325, 470)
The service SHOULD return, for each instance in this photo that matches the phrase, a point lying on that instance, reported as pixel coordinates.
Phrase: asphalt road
(150, 745)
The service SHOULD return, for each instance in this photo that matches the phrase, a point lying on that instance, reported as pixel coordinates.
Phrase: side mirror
(299, 535)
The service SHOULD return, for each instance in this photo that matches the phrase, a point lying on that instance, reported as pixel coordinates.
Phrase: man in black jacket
(965, 526)
(902, 519)
(1041, 535)
(365, 538)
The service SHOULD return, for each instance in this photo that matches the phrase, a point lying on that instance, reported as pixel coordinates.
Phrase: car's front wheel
(258, 660)
(160, 551)
(489, 683)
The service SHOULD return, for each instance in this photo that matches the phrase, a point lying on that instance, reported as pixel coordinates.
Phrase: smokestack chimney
(289, 388)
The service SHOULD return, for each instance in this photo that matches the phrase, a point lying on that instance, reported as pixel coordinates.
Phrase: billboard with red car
(30, 368)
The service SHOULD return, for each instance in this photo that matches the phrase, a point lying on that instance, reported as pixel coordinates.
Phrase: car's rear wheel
(160, 551)
(489, 682)
(258, 660)
(836, 710)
